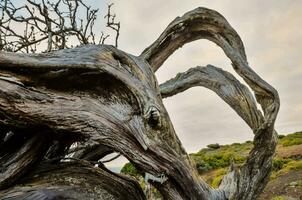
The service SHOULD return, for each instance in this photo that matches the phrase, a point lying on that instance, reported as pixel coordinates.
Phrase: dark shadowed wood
(73, 180)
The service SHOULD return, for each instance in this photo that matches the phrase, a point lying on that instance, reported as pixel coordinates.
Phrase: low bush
(214, 146)
(291, 139)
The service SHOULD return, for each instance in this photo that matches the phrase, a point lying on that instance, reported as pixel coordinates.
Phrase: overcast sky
(272, 34)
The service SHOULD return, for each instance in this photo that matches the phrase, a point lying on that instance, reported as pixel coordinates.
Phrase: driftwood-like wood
(73, 181)
(109, 101)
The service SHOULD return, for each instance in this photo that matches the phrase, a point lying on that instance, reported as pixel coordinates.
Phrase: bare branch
(75, 180)
(111, 159)
(52, 24)
(203, 23)
(200, 23)
(112, 24)
(237, 95)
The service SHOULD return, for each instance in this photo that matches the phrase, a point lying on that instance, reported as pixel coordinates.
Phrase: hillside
(286, 178)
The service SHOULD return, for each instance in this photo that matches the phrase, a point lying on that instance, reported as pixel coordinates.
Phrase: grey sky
(272, 34)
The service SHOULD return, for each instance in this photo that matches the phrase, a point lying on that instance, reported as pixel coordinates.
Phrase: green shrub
(291, 139)
(210, 158)
(279, 163)
(203, 167)
(130, 169)
(215, 160)
(236, 144)
(214, 146)
(291, 165)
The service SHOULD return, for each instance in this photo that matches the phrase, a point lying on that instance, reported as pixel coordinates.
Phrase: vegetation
(210, 158)
(290, 165)
(130, 170)
(278, 198)
(214, 146)
(291, 139)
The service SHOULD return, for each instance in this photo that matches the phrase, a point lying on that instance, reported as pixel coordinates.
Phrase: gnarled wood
(73, 180)
(109, 99)
(227, 87)
(202, 23)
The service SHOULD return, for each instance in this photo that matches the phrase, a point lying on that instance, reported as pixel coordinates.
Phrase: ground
(287, 186)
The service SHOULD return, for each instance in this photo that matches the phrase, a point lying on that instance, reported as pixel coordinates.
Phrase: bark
(73, 181)
(110, 101)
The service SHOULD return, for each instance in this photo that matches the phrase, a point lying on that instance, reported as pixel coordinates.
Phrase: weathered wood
(227, 87)
(110, 101)
(201, 23)
(113, 104)
(18, 156)
(239, 97)
(73, 180)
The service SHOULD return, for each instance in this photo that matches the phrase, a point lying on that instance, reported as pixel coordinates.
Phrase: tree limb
(200, 23)
(224, 84)
(103, 94)
(238, 183)
(73, 180)
(203, 23)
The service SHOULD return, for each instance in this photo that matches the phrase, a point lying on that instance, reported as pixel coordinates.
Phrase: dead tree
(109, 101)
(56, 25)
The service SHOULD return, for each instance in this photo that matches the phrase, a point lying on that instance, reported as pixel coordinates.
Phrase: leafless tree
(55, 25)
(106, 100)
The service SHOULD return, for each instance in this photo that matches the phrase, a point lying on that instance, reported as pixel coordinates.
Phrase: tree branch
(224, 84)
(203, 23)
(239, 97)
(200, 23)
(75, 180)
(103, 94)
(50, 24)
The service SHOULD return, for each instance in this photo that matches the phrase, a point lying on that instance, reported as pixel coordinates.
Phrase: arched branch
(224, 84)
(247, 181)
(200, 23)
(203, 23)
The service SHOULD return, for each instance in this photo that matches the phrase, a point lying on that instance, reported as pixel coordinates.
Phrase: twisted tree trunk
(110, 101)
